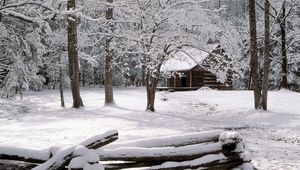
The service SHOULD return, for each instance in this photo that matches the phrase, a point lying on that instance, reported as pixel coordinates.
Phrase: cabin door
(183, 82)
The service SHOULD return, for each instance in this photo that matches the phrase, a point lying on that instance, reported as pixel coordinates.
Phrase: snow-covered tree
(73, 54)
(284, 41)
(156, 29)
(22, 26)
(21, 52)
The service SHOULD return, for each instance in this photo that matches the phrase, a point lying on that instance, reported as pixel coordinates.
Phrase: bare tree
(267, 57)
(281, 15)
(109, 98)
(253, 49)
(61, 83)
(73, 55)
(282, 20)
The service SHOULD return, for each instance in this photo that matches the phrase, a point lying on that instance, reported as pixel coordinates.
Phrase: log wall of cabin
(195, 81)
(177, 82)
(199, 79)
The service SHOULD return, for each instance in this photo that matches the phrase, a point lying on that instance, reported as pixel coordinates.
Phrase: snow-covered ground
(273, 137)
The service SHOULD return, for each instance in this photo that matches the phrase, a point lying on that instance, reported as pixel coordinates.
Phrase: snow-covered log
(22, 154)
(160, 154)
(86, 159)
(98, 141)
(53, 159)
(213, 161)
(15, 165)
(232, 142)
(205, 150)
(226, 145)
(210, 161)
(226, 153)
(172, 141)
(63, 157)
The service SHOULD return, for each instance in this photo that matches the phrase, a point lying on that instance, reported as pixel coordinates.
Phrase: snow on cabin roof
(186, 59)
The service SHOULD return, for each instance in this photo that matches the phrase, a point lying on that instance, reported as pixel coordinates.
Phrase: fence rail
(206, 150)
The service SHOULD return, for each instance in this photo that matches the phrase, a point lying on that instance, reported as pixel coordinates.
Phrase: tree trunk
(151, 84)
(109, 98)
(143, 76)
(284, 81)
(73, 56)
(254, 64)
(61, 84)
(267, 57)
(250, 81)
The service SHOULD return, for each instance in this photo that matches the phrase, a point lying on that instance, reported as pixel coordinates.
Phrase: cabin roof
(186, 59)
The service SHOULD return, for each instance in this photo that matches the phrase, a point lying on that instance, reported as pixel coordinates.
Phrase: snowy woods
(73, 44)
(187, 84)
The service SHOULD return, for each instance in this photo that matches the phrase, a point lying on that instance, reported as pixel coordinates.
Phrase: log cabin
(191, 69)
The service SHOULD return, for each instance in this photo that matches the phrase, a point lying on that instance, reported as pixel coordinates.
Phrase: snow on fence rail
(205, 150)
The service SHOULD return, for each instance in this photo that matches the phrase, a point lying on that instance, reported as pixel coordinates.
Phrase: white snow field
(273, 138)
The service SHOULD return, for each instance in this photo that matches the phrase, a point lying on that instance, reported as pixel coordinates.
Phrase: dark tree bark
(284, 81)
(61, 84)
(109, 97)
(143, 76)
(73, 56)
(267, 57)
(151, 81)
(153, 75)
(253, 48)
(151, 84)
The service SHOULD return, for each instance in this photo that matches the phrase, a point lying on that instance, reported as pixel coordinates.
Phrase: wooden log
(15, 165)
(41, 156)
(63, 157)
(230, 146)
(126, 165)
(26, 155)
(172, 141)
(211, 162)
(160, 154)
(99, 141)
(232, 143)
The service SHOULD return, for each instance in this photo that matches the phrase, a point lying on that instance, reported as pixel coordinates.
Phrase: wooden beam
(16, 165)
(63, 157)
(25, 155)
(160, 154)
(208, 162)
(41, 156)
(172, 141)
